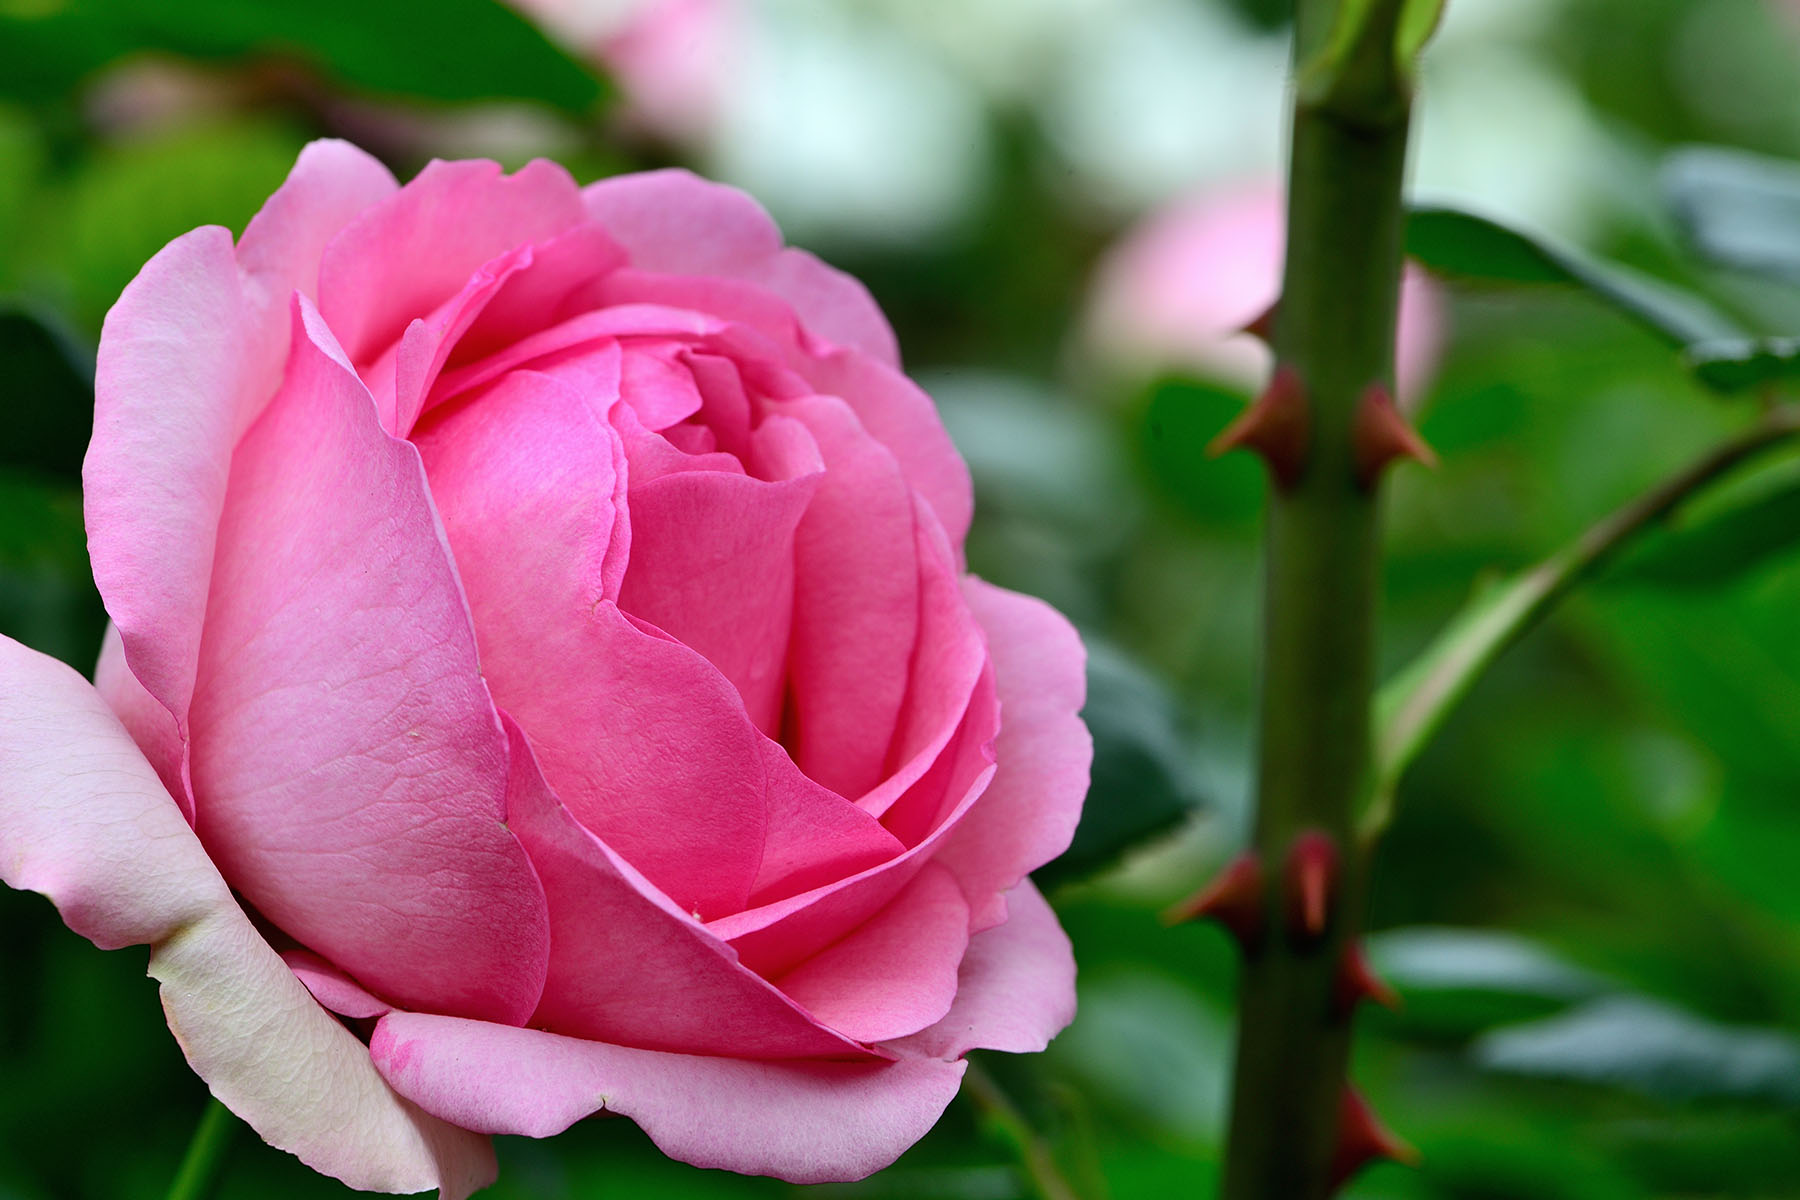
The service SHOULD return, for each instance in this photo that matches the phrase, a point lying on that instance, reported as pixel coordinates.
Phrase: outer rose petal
(172, 368)
(1043, 752)
(1015, 990)
(806, 1122)
(84, 820)
(348, 764)
(675, 221)
(331, 183)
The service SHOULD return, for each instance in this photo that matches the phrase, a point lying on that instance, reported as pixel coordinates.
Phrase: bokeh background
(1591, 899)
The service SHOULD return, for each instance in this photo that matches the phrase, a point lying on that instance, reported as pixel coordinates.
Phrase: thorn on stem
(1357, 981)
(1312, 879)
(1382, 435)
(1262, 326)
(1234, 899)
(1275, 426)
(1363, 1139)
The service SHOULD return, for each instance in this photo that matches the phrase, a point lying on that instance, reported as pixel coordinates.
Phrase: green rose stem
(204, 1163)
(1326, 427)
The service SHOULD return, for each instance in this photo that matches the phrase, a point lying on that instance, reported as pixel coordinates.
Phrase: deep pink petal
(1030, 810)
(895, 974)
(171, 375)
(84, 820)
(332, 988)
(888, 404)
(1016, 989)
(948, 658)
(713, 565)
(349, 768)
(778, 935)
(408, 254)
(815, 836)
(676, 222)
(807, 1122)
(684, 991)
(331, 184)
(856, 604)
(899, 415)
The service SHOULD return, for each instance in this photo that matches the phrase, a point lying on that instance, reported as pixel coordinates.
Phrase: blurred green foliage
(1589, 900)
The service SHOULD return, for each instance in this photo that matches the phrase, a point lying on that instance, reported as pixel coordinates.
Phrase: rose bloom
(541, 639)
(1179, 288)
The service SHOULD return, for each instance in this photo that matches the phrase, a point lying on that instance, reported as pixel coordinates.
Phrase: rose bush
(541, 639)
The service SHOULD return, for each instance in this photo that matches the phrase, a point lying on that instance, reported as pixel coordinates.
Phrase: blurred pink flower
(673, 59)
(1178, 289)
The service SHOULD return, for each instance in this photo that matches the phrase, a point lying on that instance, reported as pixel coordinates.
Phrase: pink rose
(1177, 291)
(544, 607)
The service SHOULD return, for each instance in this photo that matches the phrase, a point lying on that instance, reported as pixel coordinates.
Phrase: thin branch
(1412, 707)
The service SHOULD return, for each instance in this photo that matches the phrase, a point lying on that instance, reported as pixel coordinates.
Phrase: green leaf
(46, 394)
(1474, 248)
(1433, 958)
(1143, 776)
(1738, 209)
(457, 50)
(1459, 982)
(1723, 546)
(1736, 364)
(1638, 1045)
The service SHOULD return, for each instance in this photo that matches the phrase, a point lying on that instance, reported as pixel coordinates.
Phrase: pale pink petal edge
(84, 820)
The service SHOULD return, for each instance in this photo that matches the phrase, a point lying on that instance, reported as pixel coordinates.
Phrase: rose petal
(603, 913)
(1031, 809)
(897, 972)
(1016, 988)
(408, 254)
(84, 820)
(172, 370)
(807, 1122)
(331, 184)
(348, 765)
(675, 221)
(856, 604)
(714, 567)
(332, 988)
(948, 659)
(149, 723)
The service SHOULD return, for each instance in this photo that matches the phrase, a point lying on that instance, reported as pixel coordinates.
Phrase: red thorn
(1381, 435)
(1234, 899)
(1312, 876)
(1357, 981)
(1363, 1139)
(1275, 426)
(1262, 326)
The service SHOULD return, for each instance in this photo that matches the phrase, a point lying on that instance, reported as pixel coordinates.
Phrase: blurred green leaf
(46, 393)
(1738, 209)
(457, 50)
(124, 203)
(1638, 1045)
(1734, 364)
(1437, 958)
(1480, 250)
(1143, 775)
(1723, 546)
